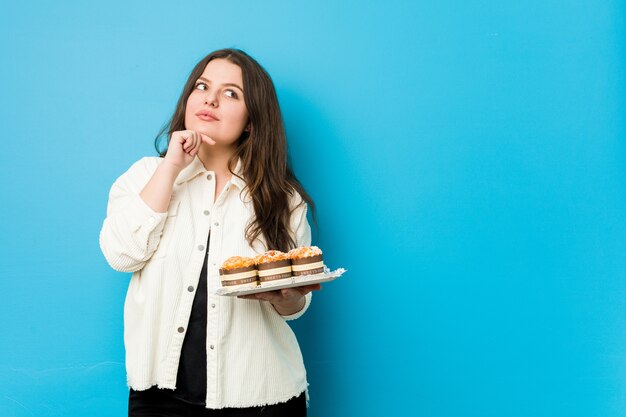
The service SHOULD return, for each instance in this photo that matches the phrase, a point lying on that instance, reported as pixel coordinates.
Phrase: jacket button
(200, 247)
(207, 212)
(209, 177)
(190, 288)
(181, 329)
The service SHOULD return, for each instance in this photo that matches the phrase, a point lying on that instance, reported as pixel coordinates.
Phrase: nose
(210, 98)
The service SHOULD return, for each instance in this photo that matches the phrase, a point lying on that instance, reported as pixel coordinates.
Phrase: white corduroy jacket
(253, 357)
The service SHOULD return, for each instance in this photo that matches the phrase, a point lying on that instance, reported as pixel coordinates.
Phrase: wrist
(169, 169)
(289, 308)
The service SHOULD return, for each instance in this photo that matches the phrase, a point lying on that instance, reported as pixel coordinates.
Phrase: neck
(215, 158)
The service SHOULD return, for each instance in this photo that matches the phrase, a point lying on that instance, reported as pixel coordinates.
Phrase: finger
(269, 296)
(312, 287)
(186, 145)
(305, 289)
(248, 297)
(197, 143)
(263, 296)
(290, 294)
(181, 136)
(206, 139)
(193, 139)
(186, 140)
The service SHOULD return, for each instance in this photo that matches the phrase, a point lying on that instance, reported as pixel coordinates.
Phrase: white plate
(293, 282)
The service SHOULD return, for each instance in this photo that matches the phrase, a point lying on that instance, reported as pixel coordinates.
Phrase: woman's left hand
(286, 301)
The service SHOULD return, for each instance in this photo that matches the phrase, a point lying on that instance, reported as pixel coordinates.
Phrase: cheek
(238, 115)
(243, 115)
(193, 102)
(188, 109)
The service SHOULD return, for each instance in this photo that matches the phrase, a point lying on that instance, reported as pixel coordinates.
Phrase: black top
(191, 379)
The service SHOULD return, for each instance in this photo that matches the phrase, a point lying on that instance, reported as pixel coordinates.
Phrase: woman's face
(216, 106)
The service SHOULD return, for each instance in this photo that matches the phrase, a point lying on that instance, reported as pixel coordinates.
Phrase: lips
(206, 115)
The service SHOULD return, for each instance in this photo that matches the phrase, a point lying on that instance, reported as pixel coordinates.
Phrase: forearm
(158, 191)
(289, 308)
(291, 302)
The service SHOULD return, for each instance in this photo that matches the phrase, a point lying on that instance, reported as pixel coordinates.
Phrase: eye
(201, 86)
(231, 93)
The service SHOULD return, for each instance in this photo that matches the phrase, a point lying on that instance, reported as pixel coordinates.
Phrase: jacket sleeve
(301, 232)
(131, 231)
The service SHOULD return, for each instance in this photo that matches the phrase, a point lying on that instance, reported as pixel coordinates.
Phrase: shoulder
(146, 165)
(296, 201)
(139, 173)
(298, 223)
(298, 209)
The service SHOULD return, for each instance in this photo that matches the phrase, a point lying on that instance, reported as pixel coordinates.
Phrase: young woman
(223, 187)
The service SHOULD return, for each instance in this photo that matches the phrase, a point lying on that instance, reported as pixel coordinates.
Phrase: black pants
(154, 402)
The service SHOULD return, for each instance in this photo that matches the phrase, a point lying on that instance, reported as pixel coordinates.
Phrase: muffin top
(271, 256)
(235, 262)
(304, 252)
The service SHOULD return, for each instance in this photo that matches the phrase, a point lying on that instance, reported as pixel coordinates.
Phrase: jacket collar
(235, 180)
(196, 168)
(191, 171)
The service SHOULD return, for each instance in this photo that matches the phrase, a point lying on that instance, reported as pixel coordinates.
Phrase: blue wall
(467, 157)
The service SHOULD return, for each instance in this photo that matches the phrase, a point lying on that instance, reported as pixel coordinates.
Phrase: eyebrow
(225, 84)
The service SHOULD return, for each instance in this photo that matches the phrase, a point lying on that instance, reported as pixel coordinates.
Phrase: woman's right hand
(183, 147)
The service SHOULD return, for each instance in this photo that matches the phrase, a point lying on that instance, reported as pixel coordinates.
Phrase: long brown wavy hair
(270, 181)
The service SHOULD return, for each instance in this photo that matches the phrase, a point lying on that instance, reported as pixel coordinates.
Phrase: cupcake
(238, 271)
(306, 260)
(273, 266)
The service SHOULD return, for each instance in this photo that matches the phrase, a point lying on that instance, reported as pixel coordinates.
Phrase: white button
(212, 347)
(200, 247)
(212, 305)
(207, 212)
(209, 177)
(190, 288)
(216, 223)
(151, 220)
(214, 264)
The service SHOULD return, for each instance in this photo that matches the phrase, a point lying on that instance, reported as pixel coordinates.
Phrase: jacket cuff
(146, 222)
(307, 303)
